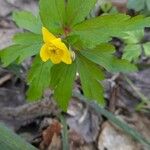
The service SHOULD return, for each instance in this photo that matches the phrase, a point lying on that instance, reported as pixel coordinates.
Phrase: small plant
(135, 46)
(142, 7)
(63, 44)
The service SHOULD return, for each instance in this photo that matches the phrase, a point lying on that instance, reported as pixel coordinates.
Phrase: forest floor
(38, 122)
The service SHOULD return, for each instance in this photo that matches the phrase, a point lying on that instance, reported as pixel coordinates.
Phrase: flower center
(55, 52)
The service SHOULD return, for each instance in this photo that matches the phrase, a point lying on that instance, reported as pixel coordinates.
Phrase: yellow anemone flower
(54, 49)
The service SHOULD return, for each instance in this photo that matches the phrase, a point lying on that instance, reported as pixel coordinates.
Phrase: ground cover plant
(67, 44)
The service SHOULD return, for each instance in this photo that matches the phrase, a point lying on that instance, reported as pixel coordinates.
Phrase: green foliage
(18, 53)
(132, 52)
(98, 30)
(77, 10)
(52, 14)
(146, 47)
(25, 45)
(27, 21)
(91, 75)
(107, 6)
(27, 38)
(9, 55)
(139, 5)
(11, 141)
(87, 38)
(134, 37)
(62, 78)
(38, 78)
(134, 45)
(104, 58)
(65, 137)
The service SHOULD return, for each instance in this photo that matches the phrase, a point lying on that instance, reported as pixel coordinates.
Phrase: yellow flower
(54, 49)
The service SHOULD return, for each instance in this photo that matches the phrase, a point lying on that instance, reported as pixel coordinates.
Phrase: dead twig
(28, 112)
(5, 79)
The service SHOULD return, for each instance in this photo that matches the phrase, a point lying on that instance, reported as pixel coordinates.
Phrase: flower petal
(67, 57)
(47, 36)
(59, 44)
(55, 59)
(43, 53)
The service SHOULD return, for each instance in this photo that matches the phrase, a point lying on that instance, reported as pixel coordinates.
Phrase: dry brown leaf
(47, 135)
(55, 143)
(112, 138)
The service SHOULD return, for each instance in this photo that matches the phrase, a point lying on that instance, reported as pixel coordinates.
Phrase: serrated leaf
(52, 14)
(18, 53)
(77, 10)
(62, 81)
(100, 30)
(121, 65)
(38, 78)
(90, 75)
(132, 52)
(29, 51)
(108, 61)
(146, 47)
(28, 21)
(9, 54)
(133, 37)
(27, 38)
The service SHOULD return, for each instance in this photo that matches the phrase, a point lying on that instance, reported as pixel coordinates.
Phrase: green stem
(65, 141)
(144, 99)
(111, 117)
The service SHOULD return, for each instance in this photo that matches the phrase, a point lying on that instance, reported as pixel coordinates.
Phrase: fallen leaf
(47, 135)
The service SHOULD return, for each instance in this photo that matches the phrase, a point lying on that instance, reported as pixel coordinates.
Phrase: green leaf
(132, 52)
(18, 52)
(9, 54)
(106, 6)
(57, 72)
(146, 47)
(104, 48)
(137, 5)
(91, 75)
(121, 65)
(52, 14)
(93, 70)
(38, 78)
(27, 38)
(62, 81)
(28, 21)
(134, 37)
(108, 61)
(11, 141)
(77, 10)
(148, 4)
(100, 30)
